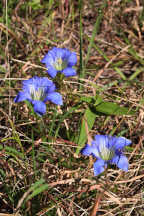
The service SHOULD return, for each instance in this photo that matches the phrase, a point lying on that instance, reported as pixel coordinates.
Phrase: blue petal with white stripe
(39, 90)
(107, 150)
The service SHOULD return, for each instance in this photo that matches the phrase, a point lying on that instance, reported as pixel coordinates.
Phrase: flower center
(105, 153)
(38, 94)
(59, 64)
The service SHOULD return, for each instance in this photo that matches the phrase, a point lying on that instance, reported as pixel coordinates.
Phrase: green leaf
(97, 104)
(1, 147)
(35, 4)
(136, 73)
(37, 184)
(37, 188)
(37, 191)
(92, 99)
(89, 117)
(110, 108)
(13, 152)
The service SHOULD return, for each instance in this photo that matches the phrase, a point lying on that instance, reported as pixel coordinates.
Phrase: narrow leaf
(38, 190)
(37, 184)
(90, 117)
(12, 151)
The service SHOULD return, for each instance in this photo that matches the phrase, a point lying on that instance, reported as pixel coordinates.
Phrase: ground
(42, 170)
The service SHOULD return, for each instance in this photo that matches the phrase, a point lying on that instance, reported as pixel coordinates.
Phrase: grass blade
(136, 73)
(81, 39)
(37, 191)
(95, 31)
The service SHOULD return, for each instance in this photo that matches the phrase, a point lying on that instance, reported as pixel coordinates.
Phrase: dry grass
(46, 149)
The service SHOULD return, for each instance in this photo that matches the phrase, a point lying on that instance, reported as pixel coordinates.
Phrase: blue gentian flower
(60, 60)
(107, 150)
(39, 90)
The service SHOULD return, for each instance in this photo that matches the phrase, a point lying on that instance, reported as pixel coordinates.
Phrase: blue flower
(60, 60)
(39, 90)
(107, 150)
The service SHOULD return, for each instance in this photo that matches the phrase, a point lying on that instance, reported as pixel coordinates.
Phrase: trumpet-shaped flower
(60, 60)
(39, 90)
(107, 150)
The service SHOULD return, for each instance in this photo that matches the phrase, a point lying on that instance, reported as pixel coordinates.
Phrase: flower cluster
(39, 90)
(107, 150)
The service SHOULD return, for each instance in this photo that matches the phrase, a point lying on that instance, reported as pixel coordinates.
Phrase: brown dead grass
(73, 188)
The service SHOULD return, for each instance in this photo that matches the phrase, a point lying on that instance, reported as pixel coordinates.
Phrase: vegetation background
(41, 169)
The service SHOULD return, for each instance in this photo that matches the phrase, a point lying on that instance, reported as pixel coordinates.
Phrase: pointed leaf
(38, 190)
(90, 117)
(110, 108)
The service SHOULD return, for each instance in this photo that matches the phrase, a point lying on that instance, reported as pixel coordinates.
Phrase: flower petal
(121, 161)
(87, 150)
(99, 166)
(55, 97)
(69, 72)
(121, 142)
(72, 60)
(39, 107)
(95, 151)
(100, 140)
(48, 59)
(21, 97)
(52, 71)
(115, 159)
